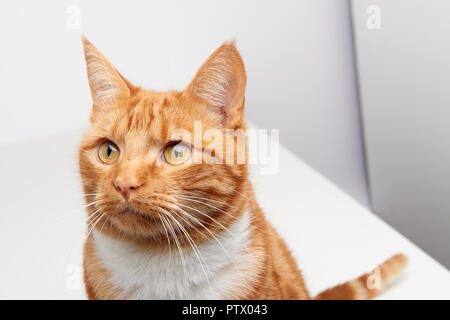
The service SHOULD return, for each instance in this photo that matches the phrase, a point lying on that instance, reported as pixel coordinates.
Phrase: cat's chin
(132, 221)
(130, 210)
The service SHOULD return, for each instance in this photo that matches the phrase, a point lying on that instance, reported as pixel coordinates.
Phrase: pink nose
(126, 188)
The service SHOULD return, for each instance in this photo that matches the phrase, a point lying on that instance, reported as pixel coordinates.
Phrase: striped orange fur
(148, 209)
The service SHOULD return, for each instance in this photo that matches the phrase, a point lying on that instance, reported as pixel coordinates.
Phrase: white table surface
(333, 237)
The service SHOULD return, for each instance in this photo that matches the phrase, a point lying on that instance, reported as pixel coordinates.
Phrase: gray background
(404, 72)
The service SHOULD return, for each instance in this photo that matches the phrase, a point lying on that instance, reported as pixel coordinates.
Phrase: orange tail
(368, 285)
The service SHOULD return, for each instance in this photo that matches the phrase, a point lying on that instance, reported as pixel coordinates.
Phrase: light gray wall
(298, 56)
(404, 72)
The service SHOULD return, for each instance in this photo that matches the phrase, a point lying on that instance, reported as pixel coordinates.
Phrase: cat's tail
(368, 285)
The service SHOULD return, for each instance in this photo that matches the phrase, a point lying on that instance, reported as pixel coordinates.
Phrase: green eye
(108, 152)
(177, 154)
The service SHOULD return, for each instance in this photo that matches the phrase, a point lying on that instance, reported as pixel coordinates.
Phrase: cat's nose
(126, 188)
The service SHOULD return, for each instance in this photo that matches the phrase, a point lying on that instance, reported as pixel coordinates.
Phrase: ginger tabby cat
(162, 225)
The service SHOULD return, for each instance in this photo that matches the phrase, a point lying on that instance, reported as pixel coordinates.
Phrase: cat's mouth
(134, 211)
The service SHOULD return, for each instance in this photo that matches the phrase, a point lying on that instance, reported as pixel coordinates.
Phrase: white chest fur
(147, 275)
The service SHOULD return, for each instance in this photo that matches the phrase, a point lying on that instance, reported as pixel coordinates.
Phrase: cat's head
(149, 166)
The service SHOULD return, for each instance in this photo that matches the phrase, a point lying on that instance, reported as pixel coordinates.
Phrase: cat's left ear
(220, 84)
(108, 87)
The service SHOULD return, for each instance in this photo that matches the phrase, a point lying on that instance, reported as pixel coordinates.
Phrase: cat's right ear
(220, 83)
(108, 87)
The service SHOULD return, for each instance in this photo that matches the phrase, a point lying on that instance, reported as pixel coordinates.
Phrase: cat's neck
(214, 270)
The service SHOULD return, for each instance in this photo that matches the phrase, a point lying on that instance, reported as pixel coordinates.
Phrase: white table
(332, 236)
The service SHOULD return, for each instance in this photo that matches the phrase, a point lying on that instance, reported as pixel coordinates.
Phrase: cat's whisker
(206, 204)
(205, 194)
(168, 225)
(241, 194)
(194, 196)
(175, 237)
(194, 200)
(93, 217)
(92, 214)
(90, 204)
(220, 244)
(96, 222)
(235, 265)
(167, 234)
(197, 252)
(106, 220)
(194, 219)
(209, 217)
(212, 234)
(190, 224)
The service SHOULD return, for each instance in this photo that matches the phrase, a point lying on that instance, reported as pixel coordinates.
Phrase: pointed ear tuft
(221, 80)
(107, 85)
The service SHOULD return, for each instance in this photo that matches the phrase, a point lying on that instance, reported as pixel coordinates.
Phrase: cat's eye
(108, 152)
(177, 153)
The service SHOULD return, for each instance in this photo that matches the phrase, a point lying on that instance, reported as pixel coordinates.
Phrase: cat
(162, 226)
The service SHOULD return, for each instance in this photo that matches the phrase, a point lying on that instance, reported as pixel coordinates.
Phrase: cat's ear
(220, 83)
(107, 85)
